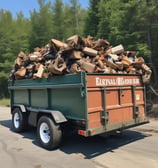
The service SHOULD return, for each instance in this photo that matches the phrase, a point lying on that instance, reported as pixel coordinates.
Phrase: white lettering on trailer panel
(116, 82)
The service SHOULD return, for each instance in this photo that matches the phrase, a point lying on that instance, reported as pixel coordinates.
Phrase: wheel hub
(16, 120)
(45, 132)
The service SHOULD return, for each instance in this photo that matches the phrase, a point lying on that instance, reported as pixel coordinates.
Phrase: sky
(15, 6)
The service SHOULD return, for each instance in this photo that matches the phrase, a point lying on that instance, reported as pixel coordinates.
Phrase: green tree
(22, 34)
(6, 54)
(58, 20)
(41, 25)
(111, 21)
(132, 23)
(92, 19)
(13, 38)
(120, 23)
(149, 26)
(74, 19)
(75, 9)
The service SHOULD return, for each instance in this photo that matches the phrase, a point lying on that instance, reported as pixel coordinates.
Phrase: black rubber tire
(19, 124)
(55, 133)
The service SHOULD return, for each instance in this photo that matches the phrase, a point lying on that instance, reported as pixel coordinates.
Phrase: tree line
(133, 23)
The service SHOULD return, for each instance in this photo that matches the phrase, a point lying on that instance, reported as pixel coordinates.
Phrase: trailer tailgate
(114, 102)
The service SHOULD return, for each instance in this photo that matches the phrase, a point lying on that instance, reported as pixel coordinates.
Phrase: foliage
(92, 19)
(13, 38)
(41, 25)
(119, 23)
(133, 24)
(58, 18)
(4, 102)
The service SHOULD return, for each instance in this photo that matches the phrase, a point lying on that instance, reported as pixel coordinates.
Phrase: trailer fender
(58, 116)
(20, 106)
(35, 114)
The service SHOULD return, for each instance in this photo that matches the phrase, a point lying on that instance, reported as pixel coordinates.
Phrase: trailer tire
(49, 133)
(19, 120)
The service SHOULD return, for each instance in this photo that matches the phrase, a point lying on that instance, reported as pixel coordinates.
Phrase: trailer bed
(96, 103)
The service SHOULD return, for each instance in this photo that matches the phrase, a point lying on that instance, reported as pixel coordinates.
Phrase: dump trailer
(89, 104)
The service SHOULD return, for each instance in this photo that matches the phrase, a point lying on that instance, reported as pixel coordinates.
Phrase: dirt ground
(152, 103)
(134, 148)
(153, 112)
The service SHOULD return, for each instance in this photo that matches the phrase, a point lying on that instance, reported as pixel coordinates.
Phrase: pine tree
(41, 25)
(92, 20)
(58, 20)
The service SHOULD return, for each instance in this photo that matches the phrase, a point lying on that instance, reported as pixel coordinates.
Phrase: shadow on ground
(30, 133)
(93, 146)
(87, 147)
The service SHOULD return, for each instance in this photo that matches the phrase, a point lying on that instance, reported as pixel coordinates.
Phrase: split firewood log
(20, 74)
(58, 43)
(57, 66)
(126, 62)
(117, 49)
(90, 51)
(78, 54)
(75, 68)
(88, 42)
(86, 66)
(101, 44)
(39, 73)
(138, 62)
(75, 42)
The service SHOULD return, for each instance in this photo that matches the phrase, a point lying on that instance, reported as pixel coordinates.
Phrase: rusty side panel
(120, 114)
(94, 107)
(124, 109)
(114, 96)
(94, 119)
(126, 97)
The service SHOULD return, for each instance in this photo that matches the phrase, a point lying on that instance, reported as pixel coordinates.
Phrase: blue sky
(26, 5)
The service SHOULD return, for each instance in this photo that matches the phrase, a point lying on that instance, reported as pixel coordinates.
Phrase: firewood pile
(78, 54)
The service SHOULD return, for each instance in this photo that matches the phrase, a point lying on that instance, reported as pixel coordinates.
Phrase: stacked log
(78, 54)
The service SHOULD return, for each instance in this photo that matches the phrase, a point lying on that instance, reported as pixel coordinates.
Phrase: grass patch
(4, 102)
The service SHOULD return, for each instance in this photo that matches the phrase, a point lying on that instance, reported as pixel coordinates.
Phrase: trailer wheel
(49, 133)
(19, 120)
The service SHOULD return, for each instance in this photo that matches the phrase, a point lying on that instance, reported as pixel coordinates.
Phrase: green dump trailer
(90, 104)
